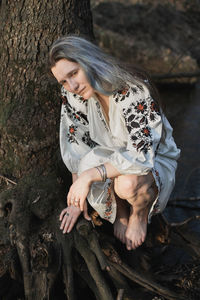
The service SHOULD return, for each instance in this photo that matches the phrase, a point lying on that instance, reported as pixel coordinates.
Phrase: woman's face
(73, 78)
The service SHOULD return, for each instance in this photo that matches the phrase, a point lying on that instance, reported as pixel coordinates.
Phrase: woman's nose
(73, 85)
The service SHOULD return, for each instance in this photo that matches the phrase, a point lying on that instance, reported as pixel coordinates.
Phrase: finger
(86, 216)
(67, 224)
(63, 212)
(76, 202)
(81, 203)
(68, 199)
(64, 221)
(71, 224)
(85, 212)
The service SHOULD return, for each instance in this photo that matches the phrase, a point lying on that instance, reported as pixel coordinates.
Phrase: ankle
(140, 215)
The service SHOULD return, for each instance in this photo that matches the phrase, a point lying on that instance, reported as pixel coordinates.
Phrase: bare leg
(137, 225)
(121, 222)
(140, 192)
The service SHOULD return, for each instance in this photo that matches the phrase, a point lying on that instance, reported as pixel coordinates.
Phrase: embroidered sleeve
(75, 139)
(141, 117)
(143, 124)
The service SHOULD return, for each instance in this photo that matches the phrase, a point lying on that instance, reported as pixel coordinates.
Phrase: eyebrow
(68, 75)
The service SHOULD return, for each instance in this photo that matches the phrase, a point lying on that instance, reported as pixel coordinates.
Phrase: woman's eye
(74, 73)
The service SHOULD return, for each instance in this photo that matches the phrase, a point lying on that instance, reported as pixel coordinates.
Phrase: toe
(128, 244)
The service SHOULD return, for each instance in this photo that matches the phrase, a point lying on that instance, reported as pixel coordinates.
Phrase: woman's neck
(103, 98)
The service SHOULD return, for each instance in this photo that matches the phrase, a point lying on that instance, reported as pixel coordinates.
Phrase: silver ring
(76, 201)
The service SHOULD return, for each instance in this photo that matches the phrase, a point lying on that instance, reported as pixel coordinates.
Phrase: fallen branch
(7, 180)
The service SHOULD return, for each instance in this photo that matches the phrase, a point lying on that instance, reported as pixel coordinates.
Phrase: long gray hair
(104, 73)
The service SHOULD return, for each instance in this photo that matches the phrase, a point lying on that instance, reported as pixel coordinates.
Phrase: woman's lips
(80, 93)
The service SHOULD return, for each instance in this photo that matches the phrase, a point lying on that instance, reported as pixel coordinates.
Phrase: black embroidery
(137, 117)
(77, 97)
(123, 94)
(64, 99)
(71, 134)
(109, 202)
(141, 107)
(101, 115)
(88, 141)
(73, 114)
(81, 99)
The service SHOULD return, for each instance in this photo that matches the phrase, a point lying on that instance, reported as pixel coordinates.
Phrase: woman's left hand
(78, 191)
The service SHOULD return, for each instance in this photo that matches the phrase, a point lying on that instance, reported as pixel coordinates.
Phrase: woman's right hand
(69, 216)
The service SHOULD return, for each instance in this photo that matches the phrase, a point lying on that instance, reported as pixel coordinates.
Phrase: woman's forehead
(63, 68)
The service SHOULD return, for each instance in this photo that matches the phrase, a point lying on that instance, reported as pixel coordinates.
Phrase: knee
(130, 186)
(127, 186)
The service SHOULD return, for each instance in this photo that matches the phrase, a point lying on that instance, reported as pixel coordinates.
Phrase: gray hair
(104, 73)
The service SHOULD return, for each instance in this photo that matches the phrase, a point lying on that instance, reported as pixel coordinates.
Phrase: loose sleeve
(75, 141)
(143, 131)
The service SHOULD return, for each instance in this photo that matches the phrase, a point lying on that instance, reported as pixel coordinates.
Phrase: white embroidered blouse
(138, 139)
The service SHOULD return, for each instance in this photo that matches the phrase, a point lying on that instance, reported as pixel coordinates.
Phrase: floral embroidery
(158, 177)
(109, 202)
(71, 134)
(81, 99)
(141, 107)
(64, 99)
(138, 88)
(123, 94)
(137, 117)
(74, 114)
(154, 111)
(101, 115)
(88, 141)
(156, 207)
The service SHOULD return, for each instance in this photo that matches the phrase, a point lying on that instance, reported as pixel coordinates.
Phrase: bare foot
(121, 221)
(136, 230)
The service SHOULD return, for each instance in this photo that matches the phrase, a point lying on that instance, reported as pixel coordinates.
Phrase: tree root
(91, 261)
(87, 252)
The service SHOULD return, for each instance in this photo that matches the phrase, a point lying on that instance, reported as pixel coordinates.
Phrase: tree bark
(29, 124)
(29, 113)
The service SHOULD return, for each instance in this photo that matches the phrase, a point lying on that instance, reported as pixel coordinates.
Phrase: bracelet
(103, 168)
(102, 171)
(99, 172)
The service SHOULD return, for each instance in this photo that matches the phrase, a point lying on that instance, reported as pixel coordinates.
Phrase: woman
(114, 139)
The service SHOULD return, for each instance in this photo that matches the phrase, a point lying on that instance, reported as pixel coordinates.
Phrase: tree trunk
(29, 112)
(29, 124)
(36, 260)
